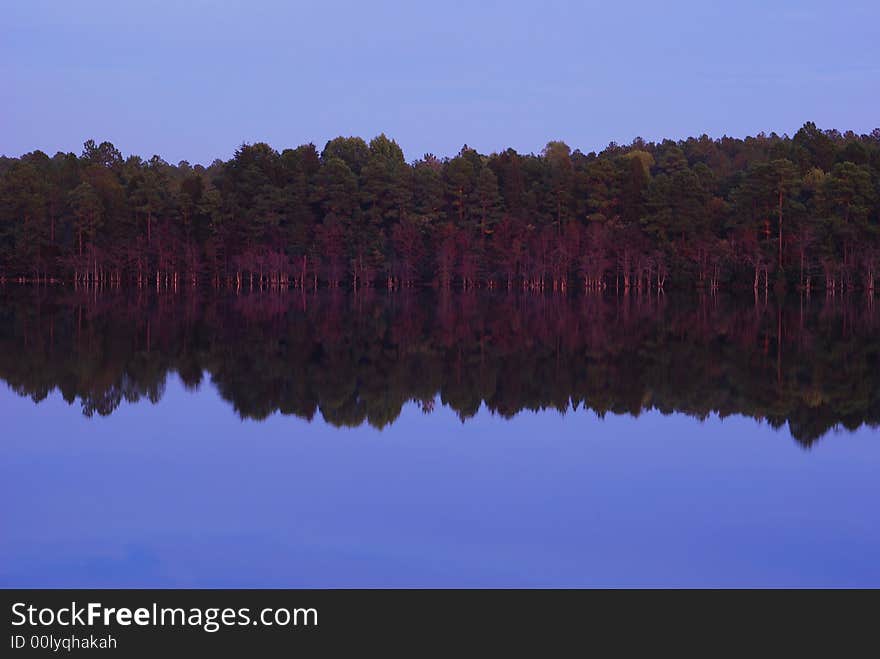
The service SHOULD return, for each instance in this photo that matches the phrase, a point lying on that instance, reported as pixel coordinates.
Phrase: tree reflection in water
(814, 364)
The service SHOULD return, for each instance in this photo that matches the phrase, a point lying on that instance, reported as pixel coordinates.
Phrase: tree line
(811, 364)
(760, 212)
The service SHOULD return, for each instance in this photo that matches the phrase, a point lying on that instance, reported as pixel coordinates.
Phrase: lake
(274, 439)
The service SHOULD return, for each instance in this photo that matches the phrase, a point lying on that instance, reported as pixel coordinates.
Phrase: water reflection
(360, 359)
(182, 494)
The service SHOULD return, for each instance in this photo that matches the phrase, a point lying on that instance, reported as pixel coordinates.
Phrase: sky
(193, 79)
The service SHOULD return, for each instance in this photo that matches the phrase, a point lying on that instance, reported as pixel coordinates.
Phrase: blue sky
(193, 79)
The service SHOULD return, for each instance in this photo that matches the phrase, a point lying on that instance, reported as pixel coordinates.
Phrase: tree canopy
(715, 213)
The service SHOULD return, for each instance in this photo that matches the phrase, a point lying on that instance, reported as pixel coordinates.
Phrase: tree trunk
(780, 227)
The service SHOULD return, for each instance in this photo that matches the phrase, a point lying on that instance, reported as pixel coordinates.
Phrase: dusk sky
(192, 80)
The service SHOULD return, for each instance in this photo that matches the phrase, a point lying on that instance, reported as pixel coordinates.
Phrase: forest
(764, 212)
(811, 364)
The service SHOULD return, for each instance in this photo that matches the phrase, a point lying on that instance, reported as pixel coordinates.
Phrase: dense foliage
(715, 213)
(360, 358)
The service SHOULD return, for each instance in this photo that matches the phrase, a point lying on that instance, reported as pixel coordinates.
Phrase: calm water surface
(193, 457)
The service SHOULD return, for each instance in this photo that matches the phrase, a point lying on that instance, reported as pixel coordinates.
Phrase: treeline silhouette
(765, 211)
(360, 358)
